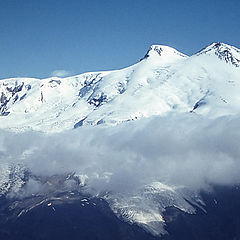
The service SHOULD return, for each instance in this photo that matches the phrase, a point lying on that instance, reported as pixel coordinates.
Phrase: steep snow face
(165, 80)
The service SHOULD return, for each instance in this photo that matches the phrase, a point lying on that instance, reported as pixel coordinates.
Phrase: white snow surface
(164, 81)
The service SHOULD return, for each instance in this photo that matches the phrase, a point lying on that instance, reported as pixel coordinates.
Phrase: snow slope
(165, 80)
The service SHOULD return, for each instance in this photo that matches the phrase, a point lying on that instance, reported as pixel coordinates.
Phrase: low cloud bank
(180, 150)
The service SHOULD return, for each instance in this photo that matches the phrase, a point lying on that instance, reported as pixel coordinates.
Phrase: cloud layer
(184, 150)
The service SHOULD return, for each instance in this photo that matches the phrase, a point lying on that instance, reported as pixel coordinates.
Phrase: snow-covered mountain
(164, 81)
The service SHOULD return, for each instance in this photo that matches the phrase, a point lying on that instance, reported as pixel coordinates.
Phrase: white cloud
(60, 73)
(177, 150)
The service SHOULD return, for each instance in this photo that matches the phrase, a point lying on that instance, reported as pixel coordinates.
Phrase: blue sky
(39, 37)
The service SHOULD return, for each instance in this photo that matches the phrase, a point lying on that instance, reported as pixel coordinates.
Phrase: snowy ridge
(225, 52)
(164, 52)
(164, 81)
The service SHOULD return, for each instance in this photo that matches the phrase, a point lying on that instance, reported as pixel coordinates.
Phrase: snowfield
(164, 81)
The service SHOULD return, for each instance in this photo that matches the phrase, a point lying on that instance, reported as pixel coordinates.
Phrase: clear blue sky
(40, 36)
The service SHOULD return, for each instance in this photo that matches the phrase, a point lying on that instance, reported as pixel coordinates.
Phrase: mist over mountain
(144, 139)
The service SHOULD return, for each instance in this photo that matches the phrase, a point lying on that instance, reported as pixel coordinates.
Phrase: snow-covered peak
(163, 52)
(223, 51)
(165, 81)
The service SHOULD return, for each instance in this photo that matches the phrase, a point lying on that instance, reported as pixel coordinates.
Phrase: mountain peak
(162, 51)
(223, 51)
(165, 81)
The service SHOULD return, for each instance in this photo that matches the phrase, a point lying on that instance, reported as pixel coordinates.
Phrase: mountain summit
(164, 81)
(164, 52)
(223, 51)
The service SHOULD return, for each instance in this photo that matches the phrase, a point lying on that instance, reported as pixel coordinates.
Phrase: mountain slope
(141, 168)
(165, 80)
